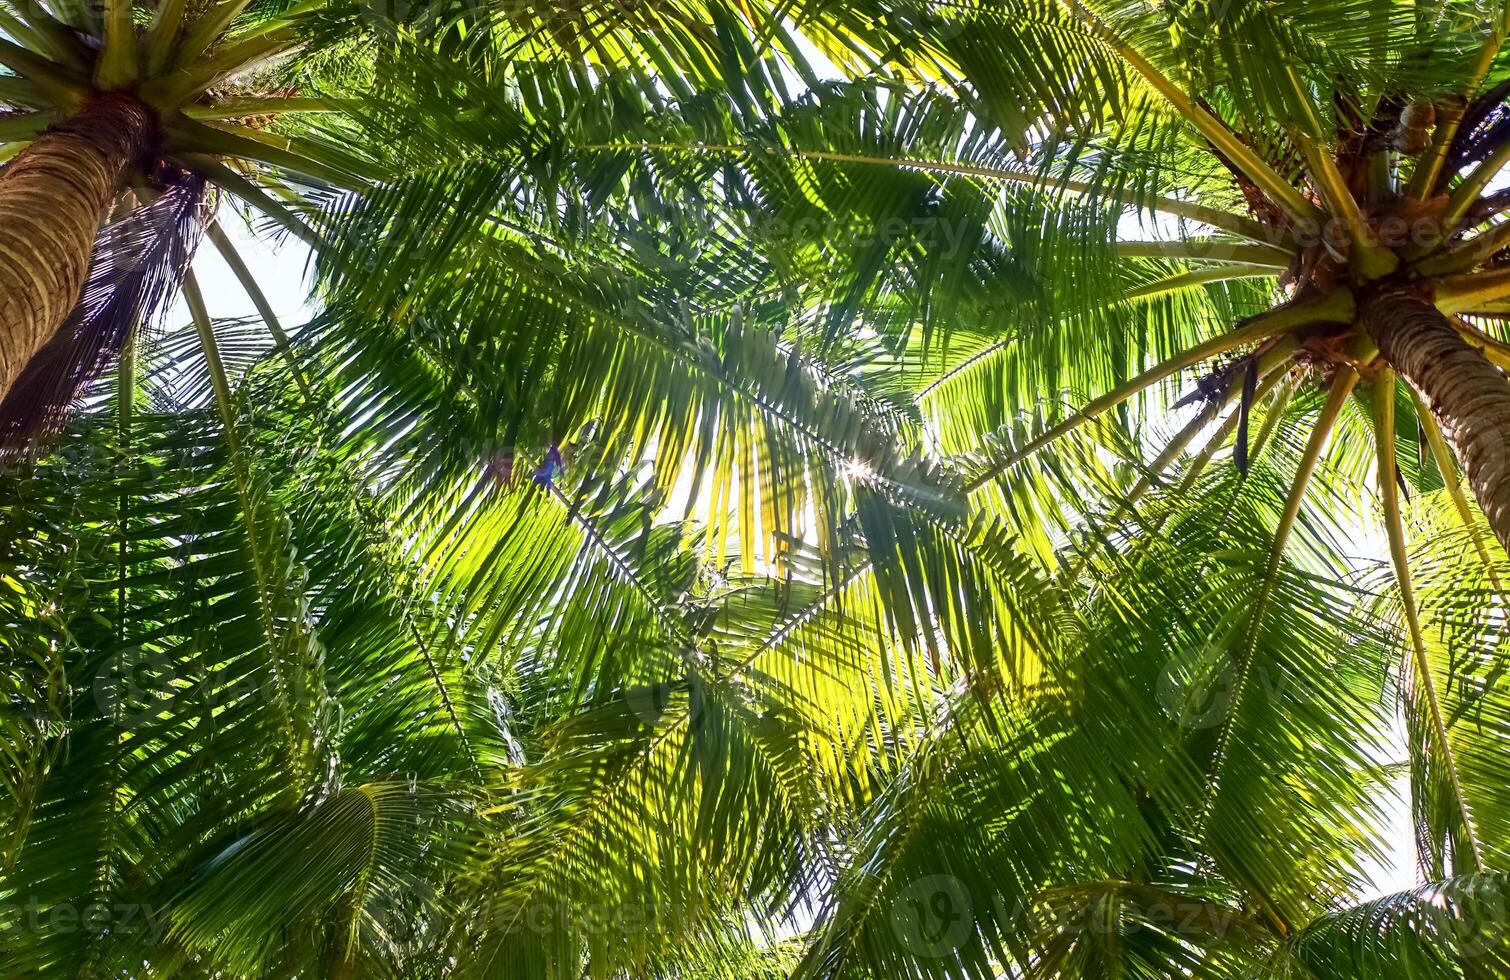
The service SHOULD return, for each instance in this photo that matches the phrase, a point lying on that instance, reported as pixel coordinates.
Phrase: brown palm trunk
(1466, 393)
(51, 198)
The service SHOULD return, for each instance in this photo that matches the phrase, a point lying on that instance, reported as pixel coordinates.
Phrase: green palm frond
(892, 489)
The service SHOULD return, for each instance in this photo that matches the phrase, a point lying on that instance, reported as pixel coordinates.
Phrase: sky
(278, 269)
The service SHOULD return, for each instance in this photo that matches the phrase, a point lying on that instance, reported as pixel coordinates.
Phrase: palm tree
(106, 109)
(667, 554)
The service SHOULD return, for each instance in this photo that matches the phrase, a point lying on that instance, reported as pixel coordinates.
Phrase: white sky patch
(278, 269)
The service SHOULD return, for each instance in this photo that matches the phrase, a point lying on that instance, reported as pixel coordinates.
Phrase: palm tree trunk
(1466, 393)
(51, 198)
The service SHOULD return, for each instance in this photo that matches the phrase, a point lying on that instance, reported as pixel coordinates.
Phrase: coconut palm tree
(710, 530)
(110, 107)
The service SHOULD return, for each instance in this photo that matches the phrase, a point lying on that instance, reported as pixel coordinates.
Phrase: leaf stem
(166, 23)
(1342, 386)
(1368, 258)
(1280, 191)
(1456, 294)
(224, 403)
(1236, 224)
(1199, 277)
(1272, 366)
(1462, 198)
(1335, 307)
(1384, 421)
(1270, 256)
(1428, 173)
(1453, 483)
(117, 62)
(254, 292)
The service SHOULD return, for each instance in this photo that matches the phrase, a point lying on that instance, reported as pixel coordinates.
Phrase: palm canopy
(731, 517)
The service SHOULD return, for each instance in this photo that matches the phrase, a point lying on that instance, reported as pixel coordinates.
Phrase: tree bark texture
(1466, 393)
(52, 197)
